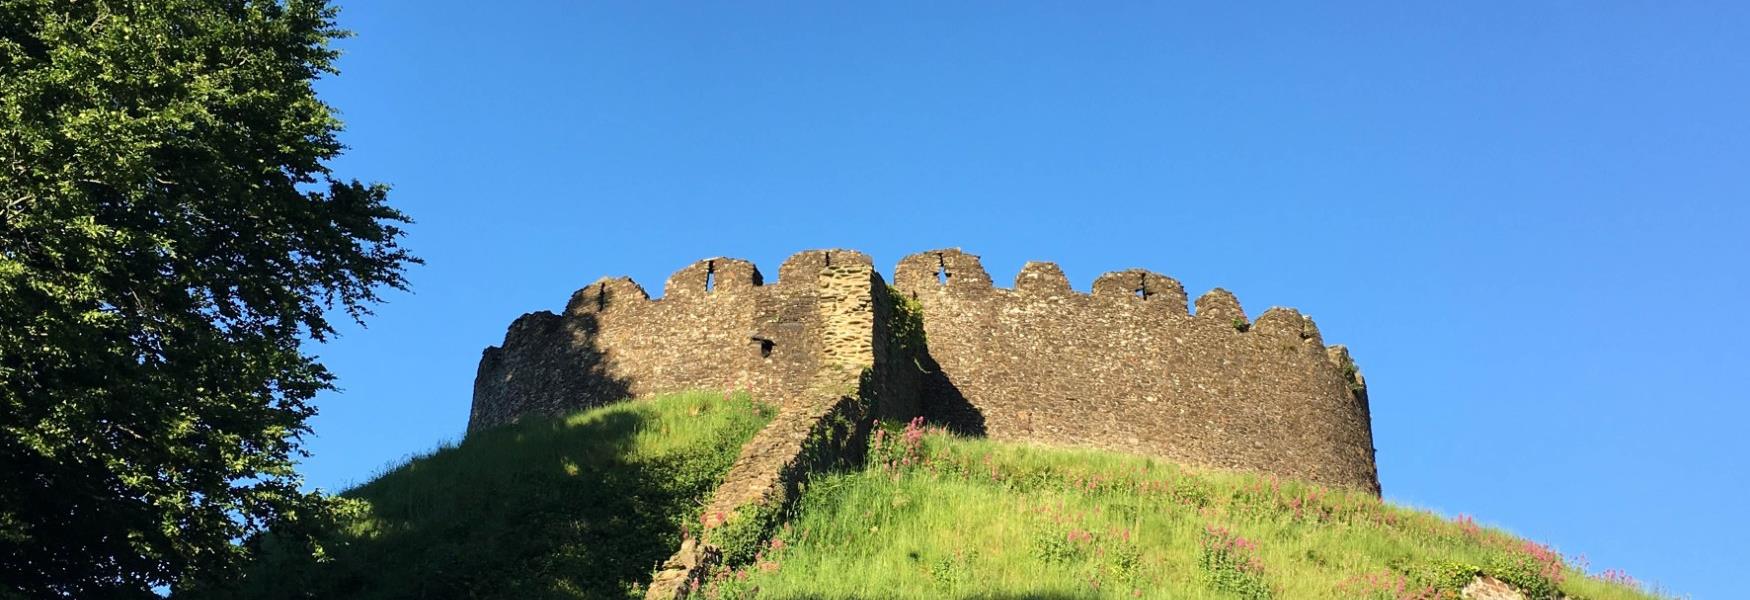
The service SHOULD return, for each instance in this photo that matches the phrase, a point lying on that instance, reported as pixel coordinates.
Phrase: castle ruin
(1127, 367)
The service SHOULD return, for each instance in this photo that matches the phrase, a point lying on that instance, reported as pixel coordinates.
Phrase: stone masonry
(821, 426)
(717, 326)
(1127, 367)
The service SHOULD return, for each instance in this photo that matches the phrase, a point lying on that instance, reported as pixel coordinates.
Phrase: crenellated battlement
(1130, 365)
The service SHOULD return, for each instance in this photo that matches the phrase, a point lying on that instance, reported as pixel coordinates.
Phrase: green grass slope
(578, 507)
(585, 506)
(936, 516)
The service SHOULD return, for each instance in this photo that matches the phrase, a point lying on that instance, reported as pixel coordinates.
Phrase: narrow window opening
(765, 346)
(710, 276)
(601, 297)
(941, 270)
(1142, 287)
(828, 258)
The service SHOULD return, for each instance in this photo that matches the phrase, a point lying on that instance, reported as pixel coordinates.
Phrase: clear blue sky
(1528, 220)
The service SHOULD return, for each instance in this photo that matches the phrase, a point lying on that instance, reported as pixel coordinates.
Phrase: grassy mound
(576, 507)
(937, 516)
(585, 506)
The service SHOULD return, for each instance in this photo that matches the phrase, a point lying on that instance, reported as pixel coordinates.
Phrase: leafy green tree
(170, 236)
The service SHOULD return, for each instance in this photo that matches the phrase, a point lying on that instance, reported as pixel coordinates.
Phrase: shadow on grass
(540, 509)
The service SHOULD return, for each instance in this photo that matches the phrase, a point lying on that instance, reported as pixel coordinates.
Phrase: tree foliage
(170, 234)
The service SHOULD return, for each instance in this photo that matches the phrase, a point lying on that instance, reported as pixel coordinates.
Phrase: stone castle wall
(1126, 367)
(821, 427)
(717, 326)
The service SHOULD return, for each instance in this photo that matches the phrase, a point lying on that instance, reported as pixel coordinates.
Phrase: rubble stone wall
(717, 326)
(1128, 367)
(824, 426)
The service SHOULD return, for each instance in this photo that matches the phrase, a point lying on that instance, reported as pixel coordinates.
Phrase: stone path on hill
(812, 431)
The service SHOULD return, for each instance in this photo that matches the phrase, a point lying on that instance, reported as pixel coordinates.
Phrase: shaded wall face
(1126, 368)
